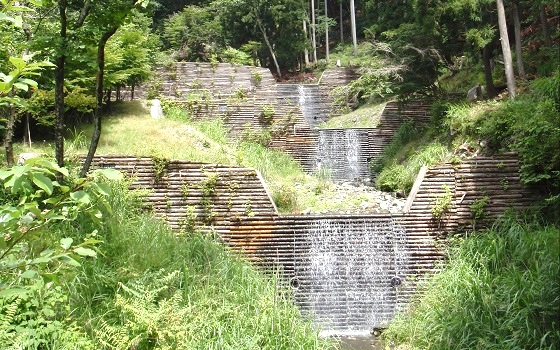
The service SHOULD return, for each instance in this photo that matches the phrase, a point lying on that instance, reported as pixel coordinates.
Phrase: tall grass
(153, 289)
(500, 289)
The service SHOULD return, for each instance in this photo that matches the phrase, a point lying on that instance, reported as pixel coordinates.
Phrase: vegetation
(82, 267)
(142, 287)
(498, 290)
(486, 127)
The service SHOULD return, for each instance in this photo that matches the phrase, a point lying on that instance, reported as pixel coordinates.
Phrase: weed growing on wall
(256, 77)
(442, 203)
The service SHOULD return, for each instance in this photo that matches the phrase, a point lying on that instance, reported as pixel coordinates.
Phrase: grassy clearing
(367, 116)
(499, 290)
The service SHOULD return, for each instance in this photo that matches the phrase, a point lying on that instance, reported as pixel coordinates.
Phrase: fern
(8, 312)
(152, 314)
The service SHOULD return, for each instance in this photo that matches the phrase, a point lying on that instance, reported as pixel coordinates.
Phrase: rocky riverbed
(348, 198)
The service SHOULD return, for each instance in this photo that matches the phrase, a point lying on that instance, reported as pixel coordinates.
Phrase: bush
(405, 134)
(499, 290)
(78, 106)
(401, 177)
(530, 125)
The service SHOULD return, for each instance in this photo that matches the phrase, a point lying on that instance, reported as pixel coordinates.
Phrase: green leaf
(90, 241)
(69, 261)
(26, 219)
(29, 82)
(4, 174)
(41, 260)
(21, 86)
(43, 182)
(18, 63)
(104, 189)
(31, 274)
(18, 21)
(12, 292)
(110, 174)
(85, 251)
(66, 243)
(80, 196)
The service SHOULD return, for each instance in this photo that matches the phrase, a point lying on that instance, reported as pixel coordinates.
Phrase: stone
(475, 93)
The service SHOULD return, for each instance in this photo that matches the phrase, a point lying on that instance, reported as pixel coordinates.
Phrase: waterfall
(349, 279)
(339, 153)
(311, 104)
(353, 145)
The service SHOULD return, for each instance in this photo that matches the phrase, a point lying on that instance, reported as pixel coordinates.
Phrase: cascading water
(353, 142)
(307, 96)
(339, 154)
(348, 281)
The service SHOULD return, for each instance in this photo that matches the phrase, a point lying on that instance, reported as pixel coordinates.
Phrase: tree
(194, 34)
(326, 33)
(130, 54)
(353, 21)
(517, 33)
(313, 35)
(19, 77)
(510, 77)
(108, 19)
(275, 23)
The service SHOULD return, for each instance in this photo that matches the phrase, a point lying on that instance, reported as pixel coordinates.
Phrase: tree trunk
(9, 133)
(506, 51)
(59, 87)
(99, 99)
(313, 37)
(486, 56)
(341, 24)
(517, 33)
(353, 23)
(132, 92)
(326, 33)
(107, 105)
(305, 51)
(544, 25)
(261, 27)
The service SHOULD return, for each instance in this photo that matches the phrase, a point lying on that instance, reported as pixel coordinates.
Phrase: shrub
(405, 134)
(530, 126)
(401, 177)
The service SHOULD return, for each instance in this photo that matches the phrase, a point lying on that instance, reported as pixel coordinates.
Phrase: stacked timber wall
(346, 154)
(473, 192)
(189, 195)
(348, 272)
(252, 104)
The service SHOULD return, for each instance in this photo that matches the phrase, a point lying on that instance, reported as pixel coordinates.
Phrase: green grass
(151, 288)
(367, 116)
(499, 290)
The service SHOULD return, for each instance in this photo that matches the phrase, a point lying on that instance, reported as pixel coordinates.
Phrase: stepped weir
(349, 273)
(347, 291)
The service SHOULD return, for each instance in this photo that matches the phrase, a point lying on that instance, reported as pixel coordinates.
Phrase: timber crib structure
(251, 103)
(348, 272)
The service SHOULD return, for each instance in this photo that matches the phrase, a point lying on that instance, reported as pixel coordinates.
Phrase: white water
(339, 151)
(345, 277)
